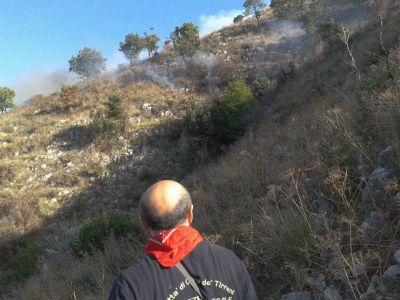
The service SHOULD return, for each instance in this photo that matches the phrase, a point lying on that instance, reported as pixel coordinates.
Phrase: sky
(38, 37)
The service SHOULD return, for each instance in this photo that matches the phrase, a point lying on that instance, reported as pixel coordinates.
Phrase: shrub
(329, 33)
(97, 229)
(238, 18)
(229, 113)
(198, 121)
(7, 172)
(111, 119)
(223, 122)
(114, 106)
(68, 92)
(23, 261)
(284, 75)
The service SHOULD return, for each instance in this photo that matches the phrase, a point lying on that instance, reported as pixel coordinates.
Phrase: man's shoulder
(210, 250)
(210, 246)
(143, 264)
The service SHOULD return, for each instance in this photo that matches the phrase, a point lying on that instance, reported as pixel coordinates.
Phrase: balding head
(165, 205)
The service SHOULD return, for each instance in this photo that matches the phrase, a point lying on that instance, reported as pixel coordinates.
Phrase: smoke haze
(40, 82)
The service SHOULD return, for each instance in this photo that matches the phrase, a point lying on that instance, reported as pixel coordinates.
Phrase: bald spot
(163, 196)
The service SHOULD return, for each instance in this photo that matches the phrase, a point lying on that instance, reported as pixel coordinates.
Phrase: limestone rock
(378, 178)
(372, 222)
(317, 282)
(332, 294)
(373, 191)
(387, 158)
(397, 256)
(149, 109)
(392, 272)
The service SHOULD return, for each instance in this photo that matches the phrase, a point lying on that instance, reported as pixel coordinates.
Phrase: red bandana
(171, 246)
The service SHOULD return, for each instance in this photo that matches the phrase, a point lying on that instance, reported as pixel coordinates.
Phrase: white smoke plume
(161, 79)
(285, 29)
(213, 23)
(117, 59)
(40, 82)
(209, 60)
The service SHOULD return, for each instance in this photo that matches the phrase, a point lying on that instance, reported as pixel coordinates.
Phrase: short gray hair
(169, 220)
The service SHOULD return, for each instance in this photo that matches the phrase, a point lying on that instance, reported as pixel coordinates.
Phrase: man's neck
(157, 232)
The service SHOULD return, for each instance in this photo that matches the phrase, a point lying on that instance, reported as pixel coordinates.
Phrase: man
(179, 263)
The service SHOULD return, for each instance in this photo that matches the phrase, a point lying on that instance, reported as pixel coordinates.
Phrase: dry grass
(286, 197)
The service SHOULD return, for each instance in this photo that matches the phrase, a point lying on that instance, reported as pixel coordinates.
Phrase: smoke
(209, 60)
(285, 29)
(213, 23)
(161, 79)
(117, 59)
(40, 82)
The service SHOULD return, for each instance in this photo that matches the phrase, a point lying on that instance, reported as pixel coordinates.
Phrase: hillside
(308, 197)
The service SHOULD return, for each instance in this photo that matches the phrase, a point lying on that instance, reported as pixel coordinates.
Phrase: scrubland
(308, 197)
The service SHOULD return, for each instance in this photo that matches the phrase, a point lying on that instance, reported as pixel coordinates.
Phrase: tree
(6, 98)
(254, 7)
(238, 18)
(132, 46)
(150, 43)
(345, 35)
(186, 39)
(87, 63)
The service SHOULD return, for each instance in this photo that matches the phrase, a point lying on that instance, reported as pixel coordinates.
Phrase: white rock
(53, 200)
(64, 192)
(169, 114)
(392, 272)
(47, 177)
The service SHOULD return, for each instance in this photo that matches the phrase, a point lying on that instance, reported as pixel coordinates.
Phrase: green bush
(22, 264)
(101, 124)
(238, 18)
(229, 113)
(329, 33)
(97, 229)
(198, 121)
(223, 122)
(113, 118)
(114, 106)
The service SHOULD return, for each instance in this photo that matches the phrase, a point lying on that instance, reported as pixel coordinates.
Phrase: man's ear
(143, 223)
(190, 215)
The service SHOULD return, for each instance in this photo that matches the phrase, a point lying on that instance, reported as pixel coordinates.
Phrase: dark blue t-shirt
(220, 274)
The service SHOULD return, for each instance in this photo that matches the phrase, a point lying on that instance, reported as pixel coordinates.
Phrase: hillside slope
(308, 197)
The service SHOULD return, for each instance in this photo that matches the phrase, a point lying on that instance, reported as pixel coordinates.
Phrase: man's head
(165, 205)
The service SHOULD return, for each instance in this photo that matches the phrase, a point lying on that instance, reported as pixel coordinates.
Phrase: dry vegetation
(308, 198)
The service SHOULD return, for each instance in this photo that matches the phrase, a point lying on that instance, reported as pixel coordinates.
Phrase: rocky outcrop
(387, 286)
